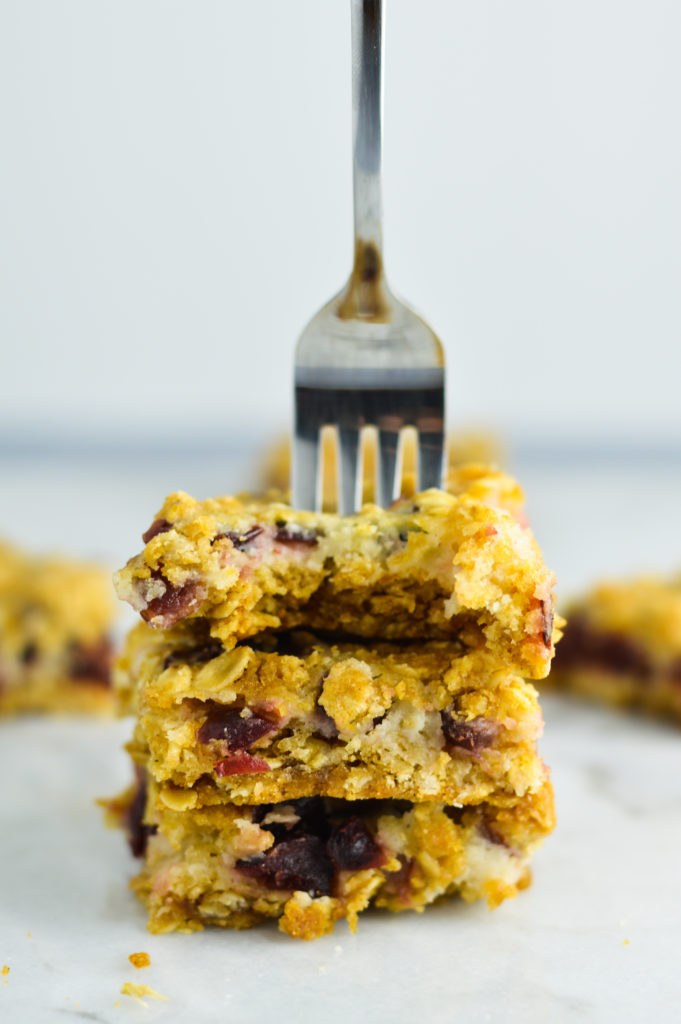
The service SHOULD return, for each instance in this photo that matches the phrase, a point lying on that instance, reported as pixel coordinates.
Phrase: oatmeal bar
(55, 651)
(301, 717)
(436, 567)
(622, 645)
(311, 862)
(467, 447)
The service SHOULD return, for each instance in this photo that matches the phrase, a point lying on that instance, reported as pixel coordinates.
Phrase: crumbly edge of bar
(426, 567)
(191, 877)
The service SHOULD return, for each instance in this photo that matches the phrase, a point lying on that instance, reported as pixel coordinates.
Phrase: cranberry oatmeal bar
(55, 649)
(313, 861)
(298, 716)
(435, 567)
(622, 645)
(330, 711)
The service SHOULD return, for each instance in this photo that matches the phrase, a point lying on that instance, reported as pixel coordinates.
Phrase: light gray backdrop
(175, 203)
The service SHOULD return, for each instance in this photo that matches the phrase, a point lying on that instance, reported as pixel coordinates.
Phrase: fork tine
(431, 448)
(349, 483)
(305, 483)
(386, 462)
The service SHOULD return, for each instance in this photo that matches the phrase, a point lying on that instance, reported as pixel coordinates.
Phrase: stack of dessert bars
(331, 711)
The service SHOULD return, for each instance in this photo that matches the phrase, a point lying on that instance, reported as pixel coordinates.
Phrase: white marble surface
(596, 938)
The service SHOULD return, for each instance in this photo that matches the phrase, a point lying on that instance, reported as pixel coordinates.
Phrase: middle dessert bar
(436, 567)
(297, 717)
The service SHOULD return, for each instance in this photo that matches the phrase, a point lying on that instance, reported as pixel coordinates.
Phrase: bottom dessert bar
(622, 646)
(55, 651)
(313, 861)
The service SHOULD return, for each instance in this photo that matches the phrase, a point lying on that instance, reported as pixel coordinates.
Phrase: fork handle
(367, 123)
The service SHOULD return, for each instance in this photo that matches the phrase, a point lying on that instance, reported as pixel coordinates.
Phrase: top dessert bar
(437, 566)
(55, 615)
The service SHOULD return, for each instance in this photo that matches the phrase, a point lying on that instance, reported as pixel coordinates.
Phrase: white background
(175, 203)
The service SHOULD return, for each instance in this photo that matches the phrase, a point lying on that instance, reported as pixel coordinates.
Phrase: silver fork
(367, 359)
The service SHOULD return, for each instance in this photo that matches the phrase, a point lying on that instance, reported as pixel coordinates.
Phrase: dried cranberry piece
(352, 847)
(158, 526)
(92, 662)
(312, 814)
(226, 723)
(240, 540)
(290, 533)
(138, 832)
(472, 736)
(296, 864)
(194, 655)
(175, 603)
(616, 652)
(240, 763)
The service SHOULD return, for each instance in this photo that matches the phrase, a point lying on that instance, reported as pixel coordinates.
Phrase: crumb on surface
(5, 970)
(139, 959)
(129, 988)
(625, 942)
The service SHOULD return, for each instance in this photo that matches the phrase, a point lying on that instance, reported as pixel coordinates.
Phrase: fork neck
(366, 296)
